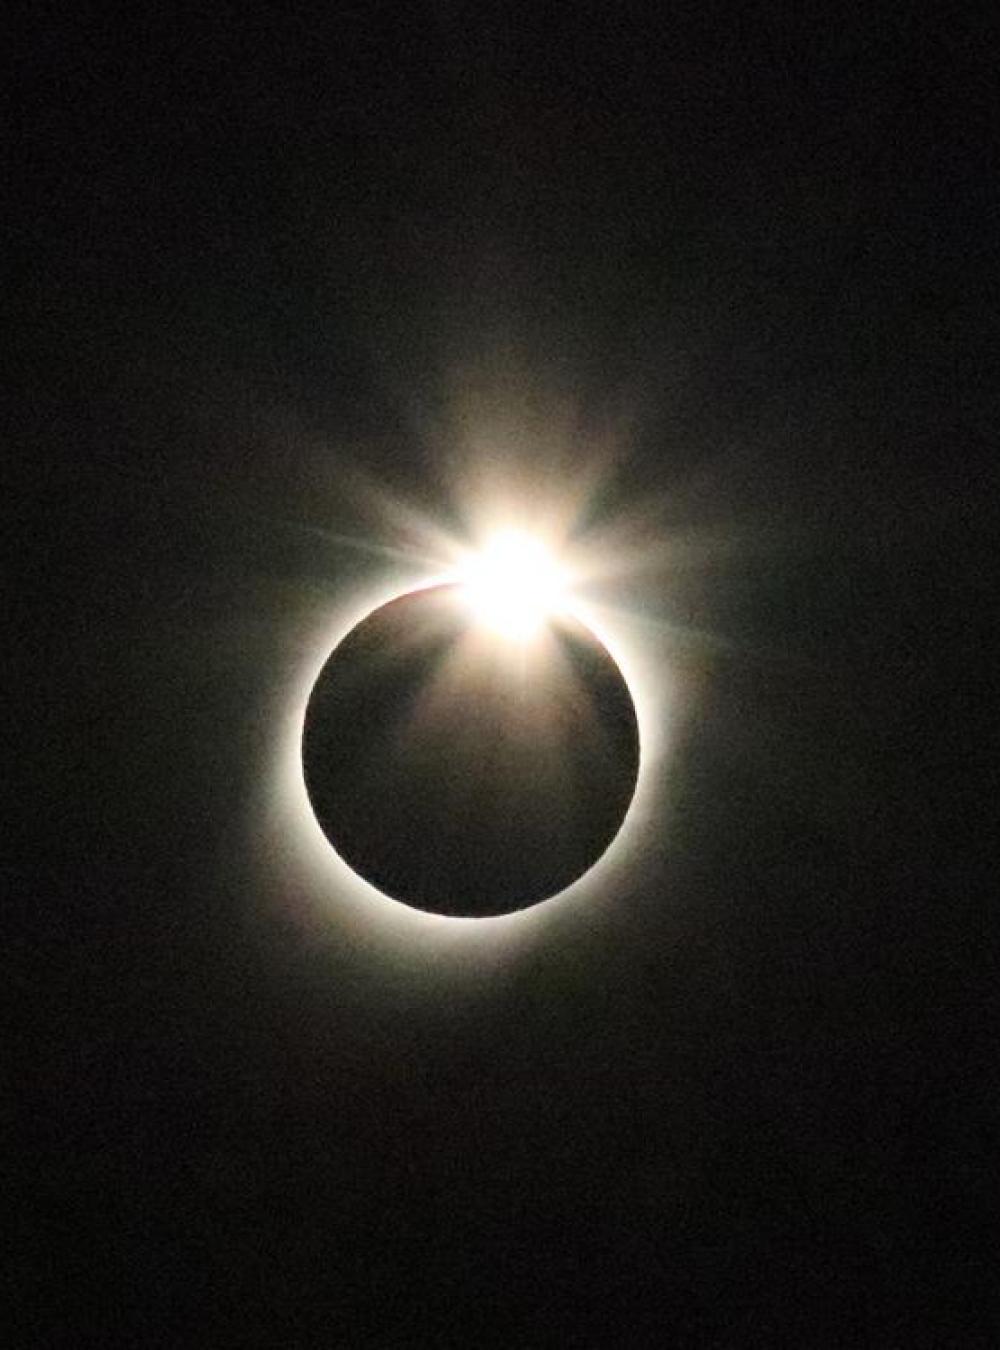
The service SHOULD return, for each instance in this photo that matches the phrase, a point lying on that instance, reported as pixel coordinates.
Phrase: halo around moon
(464, 768)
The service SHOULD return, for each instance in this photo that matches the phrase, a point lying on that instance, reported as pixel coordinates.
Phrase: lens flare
(513, 585)
(522, 552)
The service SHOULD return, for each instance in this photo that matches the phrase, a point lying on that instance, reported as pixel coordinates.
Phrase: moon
(462, 770)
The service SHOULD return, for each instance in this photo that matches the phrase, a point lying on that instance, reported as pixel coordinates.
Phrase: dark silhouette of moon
(463, 772)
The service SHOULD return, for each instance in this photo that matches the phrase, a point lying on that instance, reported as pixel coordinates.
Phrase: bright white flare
(514, 584)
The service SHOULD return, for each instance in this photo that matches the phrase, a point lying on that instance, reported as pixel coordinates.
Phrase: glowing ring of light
(295, 826)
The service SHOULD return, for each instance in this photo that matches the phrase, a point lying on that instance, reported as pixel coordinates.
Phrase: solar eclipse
(472, 748)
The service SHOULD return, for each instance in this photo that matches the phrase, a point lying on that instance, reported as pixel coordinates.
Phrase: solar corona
(471, 748)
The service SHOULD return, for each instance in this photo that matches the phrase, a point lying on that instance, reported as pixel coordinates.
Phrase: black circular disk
(464, 772)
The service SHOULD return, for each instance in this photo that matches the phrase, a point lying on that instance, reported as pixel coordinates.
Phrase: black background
(747, 1096)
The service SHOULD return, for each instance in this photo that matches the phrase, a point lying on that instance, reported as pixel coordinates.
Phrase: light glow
(514, 585)
(291, 846)
(550, 550)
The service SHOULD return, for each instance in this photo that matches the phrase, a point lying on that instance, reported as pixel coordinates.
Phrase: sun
(514, 585)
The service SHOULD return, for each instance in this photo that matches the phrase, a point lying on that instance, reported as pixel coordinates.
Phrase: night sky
(280, 291)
